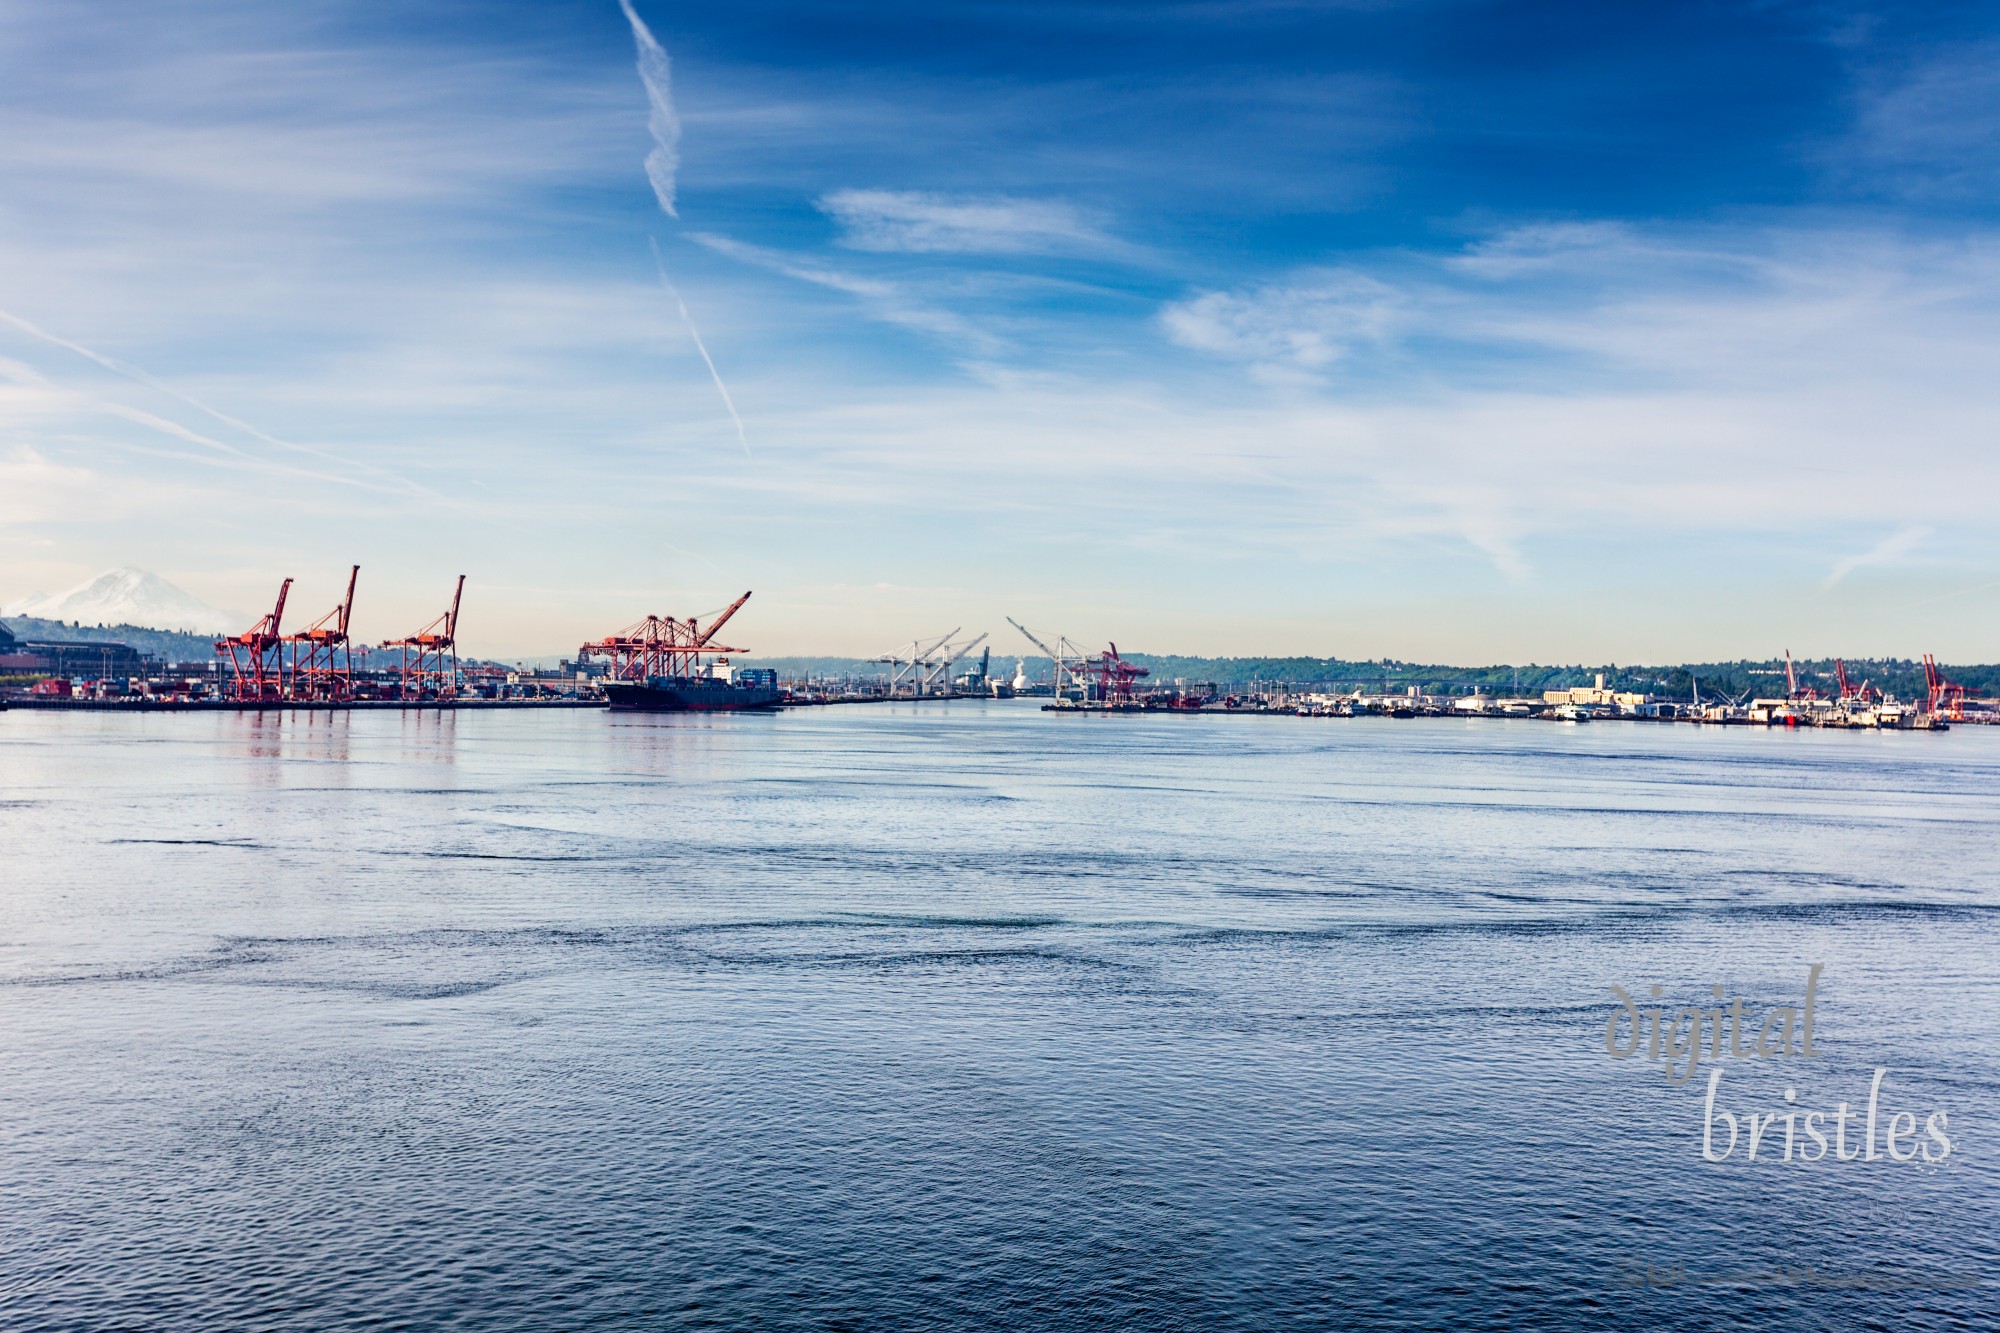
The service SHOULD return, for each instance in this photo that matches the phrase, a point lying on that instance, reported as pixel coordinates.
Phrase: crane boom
(956, 655)
(347, 604)
(1030, 637)
(716, 624)
(278, 611)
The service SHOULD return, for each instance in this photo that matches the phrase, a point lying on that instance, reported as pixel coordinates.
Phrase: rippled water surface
(967, 1017)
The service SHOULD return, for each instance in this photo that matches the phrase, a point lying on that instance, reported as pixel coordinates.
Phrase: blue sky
(1456, 331)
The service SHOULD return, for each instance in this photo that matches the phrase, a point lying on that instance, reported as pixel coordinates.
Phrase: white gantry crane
(1071, 663)
(923, 668)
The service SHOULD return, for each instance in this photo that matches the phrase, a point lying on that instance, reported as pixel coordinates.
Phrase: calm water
(969, 1017)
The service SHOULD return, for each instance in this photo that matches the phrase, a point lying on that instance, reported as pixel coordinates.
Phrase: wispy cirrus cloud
(1302, 325)
(37, 489)
(1774, 310)
(1539, 247)
(915, 222)
(1931, 131)
(341, 466)
(1567, 375)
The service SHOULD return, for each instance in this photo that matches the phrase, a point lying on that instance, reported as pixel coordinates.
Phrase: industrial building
(97, 659)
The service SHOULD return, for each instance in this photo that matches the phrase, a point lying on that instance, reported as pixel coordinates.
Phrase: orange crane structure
(661, 646)
(430, 656)
(322, 662)
(257, 656)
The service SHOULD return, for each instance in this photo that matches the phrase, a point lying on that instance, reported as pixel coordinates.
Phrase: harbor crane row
(923, 668)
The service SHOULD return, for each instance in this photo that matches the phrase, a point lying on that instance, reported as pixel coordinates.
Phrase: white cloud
(36, 489)
(1541, 246)
(914, 222)
(1574, 309)
(380, 251)
(1934, 132)
(1305, 324)
(1890, 549)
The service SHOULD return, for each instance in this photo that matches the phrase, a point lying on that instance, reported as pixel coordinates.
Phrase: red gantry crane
(257, 657)
(1947, 698)
(660, 646)
(430, 656)
(1115, 677)
(1862, 693)
(322, 665)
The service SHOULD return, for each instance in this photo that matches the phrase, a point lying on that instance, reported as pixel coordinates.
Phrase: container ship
(658, 666)
(738, 691)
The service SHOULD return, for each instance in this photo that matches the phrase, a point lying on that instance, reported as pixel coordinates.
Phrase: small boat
(1571, 713)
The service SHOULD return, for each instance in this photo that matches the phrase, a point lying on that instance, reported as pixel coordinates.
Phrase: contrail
(132, 372)
(1962, 592)
(700, 346)
(665, 123)
(661, 164)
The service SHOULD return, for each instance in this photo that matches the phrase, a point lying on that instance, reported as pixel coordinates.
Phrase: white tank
(1020, 674)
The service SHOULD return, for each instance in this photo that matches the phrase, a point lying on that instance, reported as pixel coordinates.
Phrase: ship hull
(664, 695)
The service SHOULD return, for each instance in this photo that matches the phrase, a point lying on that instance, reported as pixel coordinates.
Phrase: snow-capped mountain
(129, 597)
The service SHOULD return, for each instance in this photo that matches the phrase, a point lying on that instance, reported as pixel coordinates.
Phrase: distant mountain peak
(126, 596)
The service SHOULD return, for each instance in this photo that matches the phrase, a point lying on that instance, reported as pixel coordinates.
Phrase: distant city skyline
(1434, 331)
